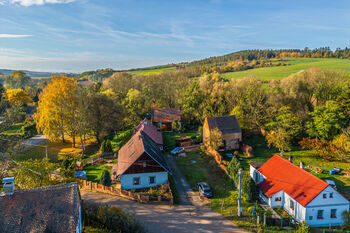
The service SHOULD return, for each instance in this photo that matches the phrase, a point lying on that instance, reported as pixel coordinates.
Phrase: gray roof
(226, 124)
(152, 149)
(45, 209)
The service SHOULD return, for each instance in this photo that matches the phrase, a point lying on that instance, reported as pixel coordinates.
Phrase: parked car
(177, 150)
(204, 190)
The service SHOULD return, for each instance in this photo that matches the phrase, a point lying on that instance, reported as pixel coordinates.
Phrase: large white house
(304, 196)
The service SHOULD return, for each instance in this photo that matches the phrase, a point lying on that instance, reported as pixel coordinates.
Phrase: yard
(169, 138)
(94, 172)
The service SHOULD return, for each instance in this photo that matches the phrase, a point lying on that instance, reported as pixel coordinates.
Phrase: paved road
(168, 219)
(34, 141)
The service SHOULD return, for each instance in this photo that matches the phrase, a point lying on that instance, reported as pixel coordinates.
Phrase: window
(136, 180)
(319, 214)
(333, 213)
(144, 164)
(324, 195)
(310, 217)
(278, 198)
(331, 195)
(291, 204)
(152, 179)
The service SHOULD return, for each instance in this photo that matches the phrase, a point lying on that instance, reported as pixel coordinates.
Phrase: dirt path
(34, 141)
(168, 219)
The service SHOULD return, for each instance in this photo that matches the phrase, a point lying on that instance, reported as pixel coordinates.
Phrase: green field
(151, 71)
(294, 66)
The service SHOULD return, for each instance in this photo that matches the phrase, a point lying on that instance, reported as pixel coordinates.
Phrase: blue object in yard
(253, 212)
(80, 174)
(229, 155)
(332, 172)
(176, 150)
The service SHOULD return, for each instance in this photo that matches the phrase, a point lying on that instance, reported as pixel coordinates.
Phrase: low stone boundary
(96, 187)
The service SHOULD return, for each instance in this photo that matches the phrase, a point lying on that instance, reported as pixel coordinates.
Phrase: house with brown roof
(301, 194)
(46, 209)
(141, 163)
(229, 128)
(152, 131)
(165, 116)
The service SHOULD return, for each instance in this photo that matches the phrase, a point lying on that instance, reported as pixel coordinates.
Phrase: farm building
(228, 126)
(44, 209)
(141, 163)
(304, 196)
(165, 116)
(151, 131)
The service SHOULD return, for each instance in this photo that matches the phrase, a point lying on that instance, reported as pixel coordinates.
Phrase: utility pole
(239, 193)
(47, 156)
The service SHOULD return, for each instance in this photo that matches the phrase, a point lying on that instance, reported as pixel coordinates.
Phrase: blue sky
(80, 35)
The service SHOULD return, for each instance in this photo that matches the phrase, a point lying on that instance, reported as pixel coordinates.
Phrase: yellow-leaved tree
(17, 97)
(57, 109)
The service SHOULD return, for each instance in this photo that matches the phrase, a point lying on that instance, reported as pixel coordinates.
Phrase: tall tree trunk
(73, 137)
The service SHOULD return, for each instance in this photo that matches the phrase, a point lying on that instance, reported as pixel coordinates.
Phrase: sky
(81, 35)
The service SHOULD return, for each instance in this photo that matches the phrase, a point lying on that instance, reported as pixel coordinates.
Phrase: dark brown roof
(151, 131)
(164, 115)
(45, 209)
(226, 124)
(139, 143)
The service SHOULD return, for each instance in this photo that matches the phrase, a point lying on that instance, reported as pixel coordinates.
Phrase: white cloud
(13, 36)
(39, 2)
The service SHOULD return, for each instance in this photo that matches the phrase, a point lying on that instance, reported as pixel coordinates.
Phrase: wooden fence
(96, 187)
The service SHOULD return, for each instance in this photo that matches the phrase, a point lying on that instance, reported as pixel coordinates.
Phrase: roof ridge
(45, 188)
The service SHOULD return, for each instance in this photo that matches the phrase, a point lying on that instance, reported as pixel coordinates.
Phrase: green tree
(18, 79)
(327, 120)
(303, 228)
(106, 146)
(279, 139)
(34, 173)
(214, 139)
(287, 121)
(105, 178)
(346, 219)
(176, 125)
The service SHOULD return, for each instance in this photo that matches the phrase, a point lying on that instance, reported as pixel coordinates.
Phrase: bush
(106, 146)
(110, 218)
(106, 178)
(346, 218)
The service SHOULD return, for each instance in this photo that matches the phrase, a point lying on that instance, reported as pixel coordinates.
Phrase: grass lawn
(225, 195)
(14, 129)
(94, 172)
(296, 64)
(56, 150)
(169, 137)
(121, 138)
(263, 153)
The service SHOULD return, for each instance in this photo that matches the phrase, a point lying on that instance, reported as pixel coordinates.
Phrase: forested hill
(33, 74)
(324, 52)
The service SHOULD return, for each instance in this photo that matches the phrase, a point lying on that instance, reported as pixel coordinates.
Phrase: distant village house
(229, 128)
(165, 116)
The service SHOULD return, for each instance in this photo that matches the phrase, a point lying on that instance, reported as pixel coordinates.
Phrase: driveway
(168, 219)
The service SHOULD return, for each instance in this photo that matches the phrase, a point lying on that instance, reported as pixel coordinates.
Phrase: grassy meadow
(147, 72)
(294, 65)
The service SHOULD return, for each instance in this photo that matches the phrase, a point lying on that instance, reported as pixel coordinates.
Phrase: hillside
(293, 65)
(32, 74)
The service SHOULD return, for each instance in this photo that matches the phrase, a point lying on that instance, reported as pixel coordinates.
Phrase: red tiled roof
(164, 115)
(283, 175)
(45, 209)
(151, 131)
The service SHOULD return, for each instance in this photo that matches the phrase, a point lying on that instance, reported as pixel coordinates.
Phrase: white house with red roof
(304, 196)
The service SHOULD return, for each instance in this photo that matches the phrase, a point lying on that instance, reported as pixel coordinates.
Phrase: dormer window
(324, 195)
(331, 195)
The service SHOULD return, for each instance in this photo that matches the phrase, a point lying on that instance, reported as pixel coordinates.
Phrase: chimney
(302, 165)
(291, 158)
(9, 185)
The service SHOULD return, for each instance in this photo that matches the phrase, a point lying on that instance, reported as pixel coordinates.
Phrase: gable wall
(137, 166)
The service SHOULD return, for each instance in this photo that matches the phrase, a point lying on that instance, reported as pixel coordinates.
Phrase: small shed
(183, 141)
